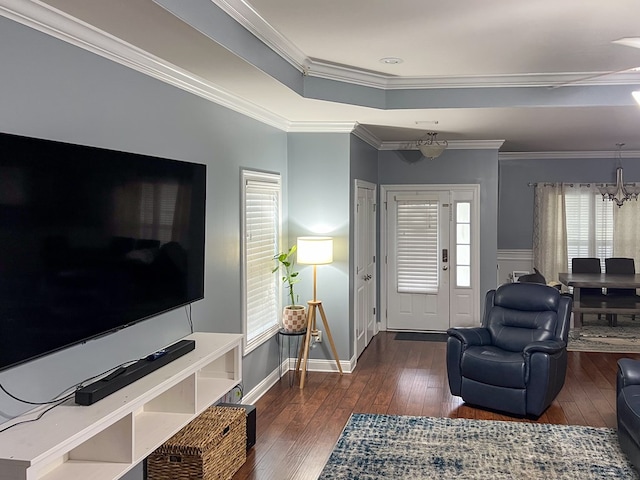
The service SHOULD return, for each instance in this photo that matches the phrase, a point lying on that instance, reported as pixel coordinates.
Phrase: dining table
(607, 304)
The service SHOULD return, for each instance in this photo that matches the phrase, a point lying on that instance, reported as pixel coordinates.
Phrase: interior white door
(418, 260)
(365, 283)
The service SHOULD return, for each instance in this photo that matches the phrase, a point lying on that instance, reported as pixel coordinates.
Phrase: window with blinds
(417, 246)
(261, 223)
(589, 223)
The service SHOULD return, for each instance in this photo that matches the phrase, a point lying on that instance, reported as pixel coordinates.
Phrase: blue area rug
(375, 447)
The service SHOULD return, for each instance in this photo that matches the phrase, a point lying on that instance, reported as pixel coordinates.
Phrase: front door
(417, 258)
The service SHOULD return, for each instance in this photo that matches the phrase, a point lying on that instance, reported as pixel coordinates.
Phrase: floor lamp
(314, 251)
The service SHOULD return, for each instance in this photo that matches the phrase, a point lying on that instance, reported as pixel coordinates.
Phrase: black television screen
(91, 241)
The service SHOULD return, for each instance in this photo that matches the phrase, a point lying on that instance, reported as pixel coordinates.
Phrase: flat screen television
(92, 241)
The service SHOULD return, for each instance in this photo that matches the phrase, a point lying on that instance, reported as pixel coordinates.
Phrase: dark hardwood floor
(297, 429)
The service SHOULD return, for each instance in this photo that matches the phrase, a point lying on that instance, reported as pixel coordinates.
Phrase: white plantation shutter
(261, 243)
(578, 217)
(417, 246)
(604, 231)
(589, 224)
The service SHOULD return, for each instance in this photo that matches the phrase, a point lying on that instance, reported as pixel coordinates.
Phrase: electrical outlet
(319, 336)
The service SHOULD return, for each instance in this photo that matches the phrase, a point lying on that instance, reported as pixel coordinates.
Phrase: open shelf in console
(216, 378)
(104, 440)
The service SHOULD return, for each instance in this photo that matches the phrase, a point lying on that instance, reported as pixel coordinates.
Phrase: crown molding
(55, 23)
(250, 19)
(343, 73)
(366, 136)
(352, 75)
(48, 20)
(566, 155)
(321, 127)
(452, 145)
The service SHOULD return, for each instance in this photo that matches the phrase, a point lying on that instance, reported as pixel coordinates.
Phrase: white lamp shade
(314, 250)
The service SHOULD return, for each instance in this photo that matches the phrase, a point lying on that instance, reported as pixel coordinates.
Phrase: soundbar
(124, 376)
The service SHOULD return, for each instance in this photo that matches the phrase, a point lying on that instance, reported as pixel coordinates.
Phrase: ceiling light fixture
(430, 147)
(391, 60)
(620, 192)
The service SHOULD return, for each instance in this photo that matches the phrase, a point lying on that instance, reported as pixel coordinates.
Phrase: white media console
(105, 440)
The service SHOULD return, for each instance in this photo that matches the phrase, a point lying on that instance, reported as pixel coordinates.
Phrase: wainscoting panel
(510, 261)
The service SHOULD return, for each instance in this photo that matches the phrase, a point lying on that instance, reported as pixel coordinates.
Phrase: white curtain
(549, 231)
(626, 231)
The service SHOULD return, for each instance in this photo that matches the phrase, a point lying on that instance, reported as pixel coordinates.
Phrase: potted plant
(294, 318)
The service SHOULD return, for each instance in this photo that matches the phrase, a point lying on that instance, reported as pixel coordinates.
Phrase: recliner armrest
(546, 346)
(471, 336)
(628, 372)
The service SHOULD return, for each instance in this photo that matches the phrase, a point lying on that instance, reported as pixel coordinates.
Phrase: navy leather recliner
(517, 360)
(628, 408)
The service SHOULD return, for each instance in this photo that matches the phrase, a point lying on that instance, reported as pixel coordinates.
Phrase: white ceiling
(493, 55)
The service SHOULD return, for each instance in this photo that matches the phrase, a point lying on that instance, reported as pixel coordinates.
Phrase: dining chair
(587, 265)
(620, 265)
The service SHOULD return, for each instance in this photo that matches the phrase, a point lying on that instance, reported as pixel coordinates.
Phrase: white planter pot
(294, 318)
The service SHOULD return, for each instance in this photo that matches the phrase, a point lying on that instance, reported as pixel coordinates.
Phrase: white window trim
(248, 176)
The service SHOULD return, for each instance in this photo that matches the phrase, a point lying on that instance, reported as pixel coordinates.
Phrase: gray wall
(455, 167)
(363, 162)
(52, 90)
(319, 205)
(515, 218)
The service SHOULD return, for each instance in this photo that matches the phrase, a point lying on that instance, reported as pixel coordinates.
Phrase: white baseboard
(330, 365)
(251, 397)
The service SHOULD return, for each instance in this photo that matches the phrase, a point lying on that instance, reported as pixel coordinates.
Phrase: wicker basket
(211, 447)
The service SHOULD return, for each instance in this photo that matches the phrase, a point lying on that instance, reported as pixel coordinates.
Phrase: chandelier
(620, 191)
(430, 147)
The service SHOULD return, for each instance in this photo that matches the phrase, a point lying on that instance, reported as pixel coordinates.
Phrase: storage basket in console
(211, 447)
